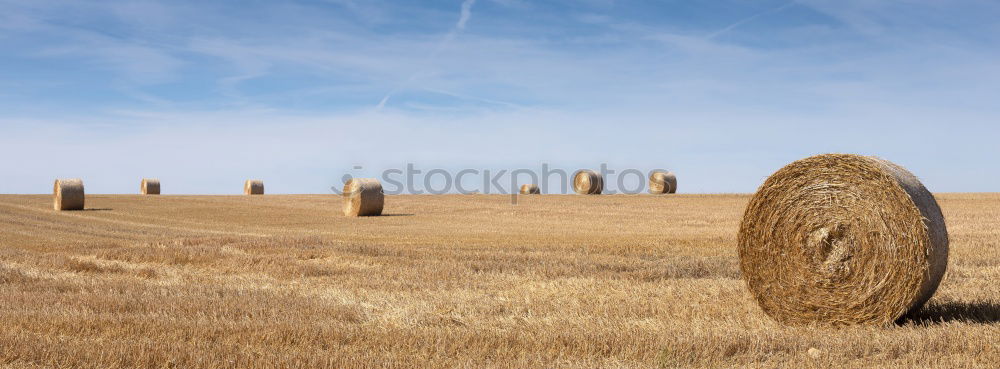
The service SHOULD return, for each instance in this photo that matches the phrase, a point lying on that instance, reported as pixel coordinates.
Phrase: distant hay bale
(253, 187)
(661, 182)
(67, 194)
(363, 197)
(530, 189)
(588, 182)
(842, 239)
(150, 186)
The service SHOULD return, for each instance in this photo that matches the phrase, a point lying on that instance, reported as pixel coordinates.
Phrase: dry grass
(443, 281)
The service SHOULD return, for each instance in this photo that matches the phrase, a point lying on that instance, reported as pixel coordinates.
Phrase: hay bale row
(150, 186)
(589, 182)
(363, 197)
(842, 239)
(832, 239)
(661, 182)
(253, 187)
(585, 181)
(68, 194)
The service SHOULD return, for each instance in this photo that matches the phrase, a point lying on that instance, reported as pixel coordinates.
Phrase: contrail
(467, 97)
(749, 19)
(466, 12)
(463, 18)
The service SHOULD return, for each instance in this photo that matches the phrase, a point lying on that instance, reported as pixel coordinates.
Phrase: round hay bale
(253, 187)
(530, 189)
(842, 239)
(67, 194)
(150, 186)
(661, 182)
(588, 182)
(363, 197)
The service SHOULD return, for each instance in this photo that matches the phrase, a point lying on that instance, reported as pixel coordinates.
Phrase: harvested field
(442, 281)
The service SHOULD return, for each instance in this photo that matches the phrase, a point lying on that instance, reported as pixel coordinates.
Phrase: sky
(205, 94)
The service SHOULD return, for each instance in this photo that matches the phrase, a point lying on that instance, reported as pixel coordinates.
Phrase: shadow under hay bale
(984, 312)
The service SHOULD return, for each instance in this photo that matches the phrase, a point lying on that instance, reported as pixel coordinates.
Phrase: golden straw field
(556, 281)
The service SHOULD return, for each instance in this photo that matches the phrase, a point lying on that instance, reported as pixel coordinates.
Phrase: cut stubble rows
(441, 281)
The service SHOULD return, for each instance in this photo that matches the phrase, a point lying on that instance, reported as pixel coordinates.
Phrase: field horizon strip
(631, 281)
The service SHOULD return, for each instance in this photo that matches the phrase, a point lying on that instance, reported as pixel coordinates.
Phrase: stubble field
(442, 281)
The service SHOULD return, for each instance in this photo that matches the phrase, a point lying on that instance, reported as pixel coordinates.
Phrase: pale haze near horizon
(204, 96)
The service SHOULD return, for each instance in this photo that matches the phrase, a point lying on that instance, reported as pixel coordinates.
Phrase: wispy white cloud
(639, 64)
(749, 19)
(463, 18)
(137, 62)
(465, 14)
(626, 84)
(55, 35)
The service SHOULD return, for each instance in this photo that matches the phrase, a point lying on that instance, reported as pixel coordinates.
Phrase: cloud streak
(296, 78)
(463, 19)
(749, 19)
(466, 13)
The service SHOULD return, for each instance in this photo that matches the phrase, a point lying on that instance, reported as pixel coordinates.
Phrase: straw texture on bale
(363, 197)
(588, 182)
(661, 182)
(253, 187)
(530, 189)
(67, 194)
(150, 186)
(842, 239)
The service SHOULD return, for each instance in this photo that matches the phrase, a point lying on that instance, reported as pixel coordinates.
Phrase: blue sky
(204, 94)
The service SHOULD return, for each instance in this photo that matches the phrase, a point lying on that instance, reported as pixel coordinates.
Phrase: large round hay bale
(253, 187)
(842, 239)
(588, 182)
(67, 194)
(150, 186)
(661, 182)
(363, 197)
(530, 189)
